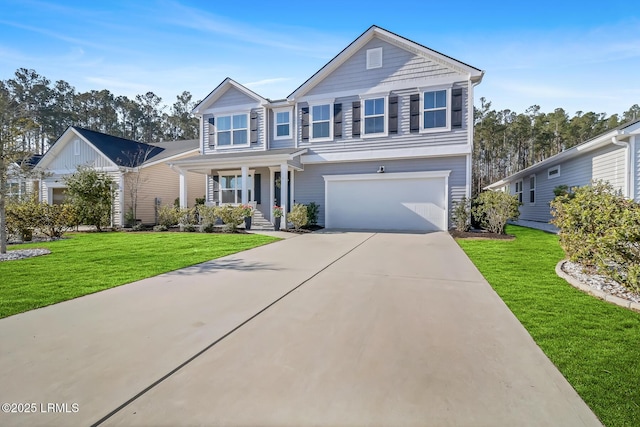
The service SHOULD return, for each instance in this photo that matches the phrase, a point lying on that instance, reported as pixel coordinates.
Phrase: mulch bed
(479, 234)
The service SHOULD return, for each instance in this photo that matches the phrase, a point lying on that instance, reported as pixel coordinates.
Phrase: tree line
(506, 142)
(42, 110)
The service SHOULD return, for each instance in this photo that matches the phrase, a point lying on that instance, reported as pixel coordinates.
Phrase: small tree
(298, 216)
(91, 192)
(494, 209)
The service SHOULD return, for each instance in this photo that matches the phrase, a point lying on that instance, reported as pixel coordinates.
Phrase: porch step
(259, 222)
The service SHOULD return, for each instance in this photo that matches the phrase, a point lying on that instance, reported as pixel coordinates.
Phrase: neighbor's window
(283, 124)
(435, 109)
(532, 189)
(519, 191)
(374, 117)
(321, 121)
(232, 130)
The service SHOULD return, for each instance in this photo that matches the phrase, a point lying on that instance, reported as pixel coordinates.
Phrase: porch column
(284, 194)
(183, 188)
(245, 184)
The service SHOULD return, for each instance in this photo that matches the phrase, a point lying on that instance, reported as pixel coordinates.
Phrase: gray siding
(576, 172)
(280, 143)
(309, 185)
(208, 134)
(233, 97)
(403, 139)
(397, 65)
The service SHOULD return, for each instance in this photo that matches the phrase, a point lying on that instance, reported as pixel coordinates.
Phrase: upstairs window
(321, 121)
(374, 116)
(232, 130)
(434, 111)
(283, 125)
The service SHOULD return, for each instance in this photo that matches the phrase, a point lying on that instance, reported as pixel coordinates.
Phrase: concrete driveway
(337, 329)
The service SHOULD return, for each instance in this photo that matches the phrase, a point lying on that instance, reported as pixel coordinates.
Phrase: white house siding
(67, 160)
(310, 185)
(398, 65)
(576, 172)
(635, 148)
(118, 198)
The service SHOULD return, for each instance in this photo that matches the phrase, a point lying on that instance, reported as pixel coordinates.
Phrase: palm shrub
(232, 216)
(494, 208)
(600, 229)
(298, 216)
(462, 213)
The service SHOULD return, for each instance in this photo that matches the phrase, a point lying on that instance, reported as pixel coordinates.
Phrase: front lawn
(596, 345)
(90, 262)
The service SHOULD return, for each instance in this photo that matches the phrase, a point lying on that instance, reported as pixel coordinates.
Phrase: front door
(278, 186)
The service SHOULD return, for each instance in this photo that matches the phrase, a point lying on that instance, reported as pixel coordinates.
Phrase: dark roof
(33, 160)
(121, 151)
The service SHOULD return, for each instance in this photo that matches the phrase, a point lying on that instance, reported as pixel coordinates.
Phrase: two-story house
(380, 138)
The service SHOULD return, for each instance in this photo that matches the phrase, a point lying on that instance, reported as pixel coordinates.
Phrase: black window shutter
(256, 188)
(414, 113)
(254, 127)
(456, 108)
(212, 132)
(304, 116)
(337, 120)
(355, 130)
(393, 115)
(216, 188)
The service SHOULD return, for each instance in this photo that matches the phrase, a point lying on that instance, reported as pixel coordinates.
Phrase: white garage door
(387, 201)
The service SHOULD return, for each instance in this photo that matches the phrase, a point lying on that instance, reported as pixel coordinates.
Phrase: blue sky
(581, 57)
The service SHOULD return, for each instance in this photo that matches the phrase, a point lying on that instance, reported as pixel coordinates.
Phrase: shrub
(312, 213)
(277, 211)
(462, 213)
(160, 228)
(23, 216)
(298, 216)
(600, 229)
(91, 192)
(494, 208)
(187, 216)
(208, 228)
(232, 216)
(56, 219)
(207, 215)
(167, 216)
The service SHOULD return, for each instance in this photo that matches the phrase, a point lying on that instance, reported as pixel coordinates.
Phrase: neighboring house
(380, 138)
(613, 156)
(140, 171)
(21, 181)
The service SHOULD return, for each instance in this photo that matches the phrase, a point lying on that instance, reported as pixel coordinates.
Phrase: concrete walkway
(320, 329)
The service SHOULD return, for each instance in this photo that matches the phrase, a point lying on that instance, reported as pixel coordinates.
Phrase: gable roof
(625, 130)
(475, 74)
(221, 89)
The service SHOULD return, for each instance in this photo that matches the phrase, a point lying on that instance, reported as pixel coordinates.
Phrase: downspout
(627, 165)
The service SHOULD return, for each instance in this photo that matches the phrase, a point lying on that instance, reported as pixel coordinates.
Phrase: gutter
(627, 165)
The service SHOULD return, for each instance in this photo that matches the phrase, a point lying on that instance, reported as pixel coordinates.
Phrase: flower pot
(276, 223)
(247, 223)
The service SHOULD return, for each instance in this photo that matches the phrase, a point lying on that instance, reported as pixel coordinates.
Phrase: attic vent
(374, 58)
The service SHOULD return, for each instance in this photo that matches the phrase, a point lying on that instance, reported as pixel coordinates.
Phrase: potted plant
(277, 214)
(247, 211)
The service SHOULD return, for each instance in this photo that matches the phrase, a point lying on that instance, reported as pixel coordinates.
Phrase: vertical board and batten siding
(575, 172)
(636, 170)
(398, 65)
(67, 160)
(118, 199)
(310, 184)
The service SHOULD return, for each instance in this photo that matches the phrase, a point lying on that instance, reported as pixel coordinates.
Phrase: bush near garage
(494, 208)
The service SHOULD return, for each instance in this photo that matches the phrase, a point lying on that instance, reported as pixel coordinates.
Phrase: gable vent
(374, 58)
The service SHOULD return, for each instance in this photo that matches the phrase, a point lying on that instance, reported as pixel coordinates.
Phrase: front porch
(250, 177)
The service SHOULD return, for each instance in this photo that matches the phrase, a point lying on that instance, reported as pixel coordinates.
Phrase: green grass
(90, 262)
(595, 344)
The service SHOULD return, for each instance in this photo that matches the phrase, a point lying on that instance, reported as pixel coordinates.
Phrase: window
(519, 191)
(374, 116)
(16, 189)
(232, 130)
(374, 58)
(283, 125)
(321, 121)
(434, 114)
(532, 189)
(231, 188)
(553, 172)
(76, 147)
